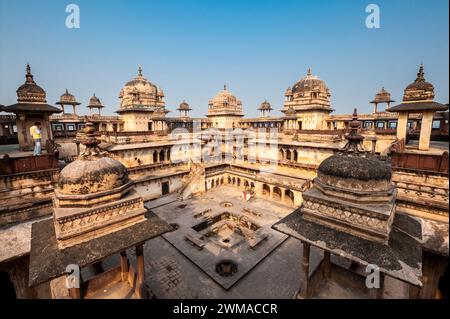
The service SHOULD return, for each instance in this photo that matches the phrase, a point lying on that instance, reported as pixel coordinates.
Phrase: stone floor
(170, 274)
(208, 248)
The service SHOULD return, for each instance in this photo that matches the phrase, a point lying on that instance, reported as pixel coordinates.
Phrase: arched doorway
(155, 156)
(295, 156)
(238, 182)
(289, 197)
(212, 183)
(266, 190)
(161, 156)
(246, 184)
(276, 193)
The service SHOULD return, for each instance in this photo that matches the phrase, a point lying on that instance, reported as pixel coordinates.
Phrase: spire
(309, 72)
(139, 71)
(354, 139)
(88, 139)
(67, 91)
(224, 87)
(420, 74)
(29, 76)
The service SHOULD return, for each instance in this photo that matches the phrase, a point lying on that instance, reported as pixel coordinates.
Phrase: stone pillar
(425, 130)
(402, 125)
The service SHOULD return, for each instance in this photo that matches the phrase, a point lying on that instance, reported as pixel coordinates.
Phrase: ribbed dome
(30, 92)
(140, 93)
(67, 98)
(224, 98)
(225, 103)
(419, 89)
(310, 83)
(94, 102)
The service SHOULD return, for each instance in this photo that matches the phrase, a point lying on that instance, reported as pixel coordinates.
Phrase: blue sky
(191, 48)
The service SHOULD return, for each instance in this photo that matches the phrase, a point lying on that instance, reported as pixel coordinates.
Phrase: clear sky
(191, 48)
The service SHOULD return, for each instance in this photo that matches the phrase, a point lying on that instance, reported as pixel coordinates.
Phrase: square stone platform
(207, 252)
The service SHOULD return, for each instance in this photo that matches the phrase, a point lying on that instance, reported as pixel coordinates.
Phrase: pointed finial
(224, 87)
(309, 71)
(67, 91)
(139, 71)
(420, 74)
(28, 75)
(355, 114)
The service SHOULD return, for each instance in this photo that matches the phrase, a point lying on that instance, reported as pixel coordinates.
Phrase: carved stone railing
(420, 162)
(14, 165)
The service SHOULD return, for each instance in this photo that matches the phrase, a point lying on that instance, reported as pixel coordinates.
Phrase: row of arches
(275, 193)
(278, 194)
(161, 156)
(285, 154)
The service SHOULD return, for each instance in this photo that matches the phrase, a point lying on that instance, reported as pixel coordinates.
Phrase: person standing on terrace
(35, 132)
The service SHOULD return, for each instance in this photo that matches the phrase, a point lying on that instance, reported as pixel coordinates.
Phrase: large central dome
(140, 93)
(225, 103)
(310, 83)
(310, 93)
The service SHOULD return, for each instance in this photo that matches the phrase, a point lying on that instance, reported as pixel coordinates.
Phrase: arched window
(276, 193)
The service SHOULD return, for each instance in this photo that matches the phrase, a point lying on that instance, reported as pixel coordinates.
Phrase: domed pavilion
(310, 99)
(224, 109)
(96, 213)
(350, 212)
(418, 97)
(31, 107)
(139, 100)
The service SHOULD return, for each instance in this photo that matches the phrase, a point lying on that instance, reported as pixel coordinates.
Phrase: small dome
(353, 169)
(225, 103)
(184, 106)
(92, 176)
(382, 96)
(92, 172)
(140, 92)
(67, 98)
(265, 106)
(419, 89)
(288, 92)
(224, 97)
(95, 102)
(30, 92)
(310, 83)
